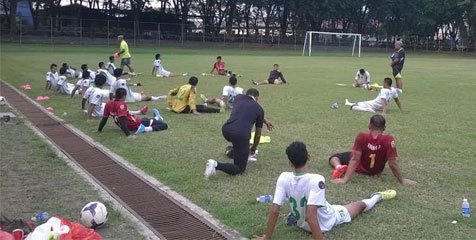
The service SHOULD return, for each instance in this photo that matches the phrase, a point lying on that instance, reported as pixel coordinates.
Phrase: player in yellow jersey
(124, 54)
(182, 99)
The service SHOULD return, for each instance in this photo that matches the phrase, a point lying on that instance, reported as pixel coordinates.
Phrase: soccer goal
(327, 41)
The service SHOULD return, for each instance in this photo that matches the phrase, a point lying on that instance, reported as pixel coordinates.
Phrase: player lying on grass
(182, 99)
(63, 86)
(52, 77)
(370, 153)
(110, 79)
(228, 95)
(387, 93)
(70, 71)
(159, 70)
(362, 79)
(118, 110)
(398, 59)
(237, 130)
(307, 196)
(131, 96)
(275, 77)
(219, 66)
(83, 84)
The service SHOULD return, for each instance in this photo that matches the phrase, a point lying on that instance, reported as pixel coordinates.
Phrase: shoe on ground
(203, 97)
(210, 168)
(388, 194)
(143, 111)
(254, 82)
(157, 115)
(184, 74)
(140, 129)
(337, 173)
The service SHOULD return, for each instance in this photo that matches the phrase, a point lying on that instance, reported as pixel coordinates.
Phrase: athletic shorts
(397, 73)
(135, 97)
(273, 81)
(125, 61)
(342, 215)
(343, 157)
(164, 73)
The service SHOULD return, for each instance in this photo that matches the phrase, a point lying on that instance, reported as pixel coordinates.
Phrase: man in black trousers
(237, 130)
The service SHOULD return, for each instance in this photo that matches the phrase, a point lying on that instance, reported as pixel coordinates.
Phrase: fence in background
(94, 31)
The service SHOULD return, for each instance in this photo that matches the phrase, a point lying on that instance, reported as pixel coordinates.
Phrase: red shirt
(117, 109)
(375, 152)
(219, 66)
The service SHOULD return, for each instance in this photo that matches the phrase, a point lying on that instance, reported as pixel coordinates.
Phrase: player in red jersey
(369, 155)
(219, 66)
(118, 110)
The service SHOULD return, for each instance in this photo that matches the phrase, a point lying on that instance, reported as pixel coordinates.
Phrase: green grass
(435, 133)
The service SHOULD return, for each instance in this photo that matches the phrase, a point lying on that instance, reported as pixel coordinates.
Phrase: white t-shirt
(303, 190)
(92, 74)
(230, 93)
(64, 86)
(362, 78)
(95, 96)
(110, 67)
(85, 83)
(110, 79)
(388, 94)
(121, 83)
(52, 78)
(158, 65)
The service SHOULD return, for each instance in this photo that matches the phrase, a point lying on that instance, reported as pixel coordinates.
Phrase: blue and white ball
(93, 215)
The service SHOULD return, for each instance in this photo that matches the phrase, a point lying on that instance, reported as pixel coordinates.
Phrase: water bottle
(264, 198)
(40, 217)
(465, 208)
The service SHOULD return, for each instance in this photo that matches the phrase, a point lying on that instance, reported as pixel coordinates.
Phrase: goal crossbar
(309, 38)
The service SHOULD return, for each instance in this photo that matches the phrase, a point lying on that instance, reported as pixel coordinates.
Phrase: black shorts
(344, 157)
(125, 61)
(271, 81)
(397, 72)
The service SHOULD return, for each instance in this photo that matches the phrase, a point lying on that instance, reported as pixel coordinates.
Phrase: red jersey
(117, 109)
(375, 152)
(219, 66)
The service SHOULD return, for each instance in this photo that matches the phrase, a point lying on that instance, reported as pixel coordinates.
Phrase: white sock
(348, 103)
(135, 112)
(158, 98)
(370, 202)
(149, 129)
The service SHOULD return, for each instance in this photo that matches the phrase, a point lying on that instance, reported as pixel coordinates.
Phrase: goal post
(310, 35)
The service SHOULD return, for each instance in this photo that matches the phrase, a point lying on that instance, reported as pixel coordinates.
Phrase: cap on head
(193, 81)
(99, 80)
(377, 121)
(297, 154)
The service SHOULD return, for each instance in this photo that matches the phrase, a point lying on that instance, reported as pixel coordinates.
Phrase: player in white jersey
(131, 96)
(63, 86)
(52, 77)
(380, 103)
(159, 70)
(110, 79)
(82, 84)
(362, 79)
(228, 95)
(70, 71)
(92, 74)
(110, 65)
(307, 196)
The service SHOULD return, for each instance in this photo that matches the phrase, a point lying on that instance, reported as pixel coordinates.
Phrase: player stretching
(103, 71)
(124, 54)
(307, 196)
(228, 96)
(275, 77)
(158, 69)
(219, 66)
(362, 79)
(63, 86)
(94, 95)
(182, 99)
(370, 153)
(387, 93)
(83, 84)
(398, 59)
(131, 96)
(118, 110)
(52, 77)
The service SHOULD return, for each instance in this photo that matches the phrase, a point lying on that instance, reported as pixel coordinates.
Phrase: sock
(338, 166)
(135, 112)
(370, 202)
(158, 98)
(149, 129)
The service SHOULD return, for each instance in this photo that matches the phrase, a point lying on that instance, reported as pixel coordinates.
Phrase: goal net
(331, 41)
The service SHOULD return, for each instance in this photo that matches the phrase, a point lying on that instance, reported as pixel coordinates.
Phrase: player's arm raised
(392, 163)
(311, 218)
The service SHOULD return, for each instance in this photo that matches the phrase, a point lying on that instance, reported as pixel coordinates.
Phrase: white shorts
(135, 97)
(342, 215)
(164, 73)
(369, 106)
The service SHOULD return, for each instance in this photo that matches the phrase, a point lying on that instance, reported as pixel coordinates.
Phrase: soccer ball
(3, 101)
(93, 215)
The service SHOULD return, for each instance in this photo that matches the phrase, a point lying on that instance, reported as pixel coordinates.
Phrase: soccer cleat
(184, 74)
(140, 129)
(337, 173)
(253, 157)
(388, 194)
(143, 111)
(132, 74)
(204, 98)
(210, 168)
(254, 82)
(157, 115)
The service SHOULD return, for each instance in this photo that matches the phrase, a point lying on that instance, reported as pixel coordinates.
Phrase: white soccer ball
(93, 215)
(3, 101)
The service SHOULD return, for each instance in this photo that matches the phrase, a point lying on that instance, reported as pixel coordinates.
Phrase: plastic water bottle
(465, 208)
(40, 217)
(264, 198)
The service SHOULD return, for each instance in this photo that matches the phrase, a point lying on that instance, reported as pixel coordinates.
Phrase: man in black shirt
(398, 59)
(237, 130)
(275, 77)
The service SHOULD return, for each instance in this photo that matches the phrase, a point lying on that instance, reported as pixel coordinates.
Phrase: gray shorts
(125, 61)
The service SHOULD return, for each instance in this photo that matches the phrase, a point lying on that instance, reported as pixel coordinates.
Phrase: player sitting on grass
(131, 96)
(219, 66)
(159, 71)
(95, 96)
(387, 93)
(118, 110)
(362, 79)
(370, 153)
(70, 71)
(229, 94)
(307, 196)
(92, 74)
(63, 86)
(110, 65)
(102, 70)
(83, 84)
(182, 99)
(275, 77)
(52, 77)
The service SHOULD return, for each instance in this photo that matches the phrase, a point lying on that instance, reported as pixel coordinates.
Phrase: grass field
(435, 133)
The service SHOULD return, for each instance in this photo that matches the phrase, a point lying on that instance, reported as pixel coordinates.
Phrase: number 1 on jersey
(372, 160)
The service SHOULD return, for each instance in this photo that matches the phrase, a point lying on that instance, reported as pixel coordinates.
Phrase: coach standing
(398, 59)
(237, 130)
(124, 54)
